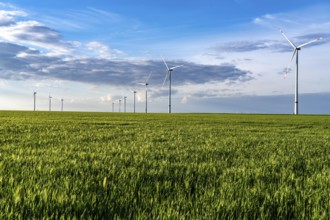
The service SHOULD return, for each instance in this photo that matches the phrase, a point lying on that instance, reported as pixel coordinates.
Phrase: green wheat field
(70, 165)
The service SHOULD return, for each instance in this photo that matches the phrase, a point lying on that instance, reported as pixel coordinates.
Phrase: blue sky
(93, 53)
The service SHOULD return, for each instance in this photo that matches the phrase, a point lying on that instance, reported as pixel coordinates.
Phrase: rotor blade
(288, 69)
(165, 78)
(312, 41)
(292, 44)
(176, 67)
(165, 63)
(294, 53)
(148, 78)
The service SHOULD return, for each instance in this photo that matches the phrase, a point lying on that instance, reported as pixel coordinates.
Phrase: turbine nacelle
(169, 70)
(146, 83)
(172, 68)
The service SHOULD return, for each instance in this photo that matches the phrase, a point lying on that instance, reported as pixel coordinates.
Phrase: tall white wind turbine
(34, 100)
(295, 53)
(169, 75)
(62, 100)
(146, 83)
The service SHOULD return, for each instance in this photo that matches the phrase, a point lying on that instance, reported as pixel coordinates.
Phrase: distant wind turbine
(34, 100)
(62, 100)
(113, 107)
(169, 75)
(119, 105)
(134, 93)
(295, 53)
(125, 104)
(50, 102)
(146, 83)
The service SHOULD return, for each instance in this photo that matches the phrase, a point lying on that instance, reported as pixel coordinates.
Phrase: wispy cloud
(84, 20)
(276, 20)
(311, 19)
(246, 46)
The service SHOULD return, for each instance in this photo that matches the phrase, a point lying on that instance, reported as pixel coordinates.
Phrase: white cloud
(100, 50)
(8, 17)
(33, 33)
(48, 41)
(3, 83)
(185, 99)
(311, 19)
(106, 98)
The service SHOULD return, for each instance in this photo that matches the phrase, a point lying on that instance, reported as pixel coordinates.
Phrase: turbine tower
(296, 50)
(146, 83)
(34, 100)
(62, 100)
(134, 93)
(113, 107)
(169, 75)
(50, 102)
(125, 104)
(119, 104)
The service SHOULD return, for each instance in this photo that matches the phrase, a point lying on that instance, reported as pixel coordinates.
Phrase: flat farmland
(70, 165)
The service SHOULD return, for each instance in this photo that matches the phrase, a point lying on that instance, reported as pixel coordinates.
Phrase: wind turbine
(295, 53)
(113, 107)
(62, 100)
(119, 104)
(134, 92)
(34, 100)
(50, 102)
(169, 75)
(146, 83)
(125, 104)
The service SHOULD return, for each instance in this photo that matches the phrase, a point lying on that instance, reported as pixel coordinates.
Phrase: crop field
(62, 165)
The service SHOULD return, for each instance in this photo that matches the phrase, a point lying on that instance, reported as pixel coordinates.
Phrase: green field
(62, 165)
